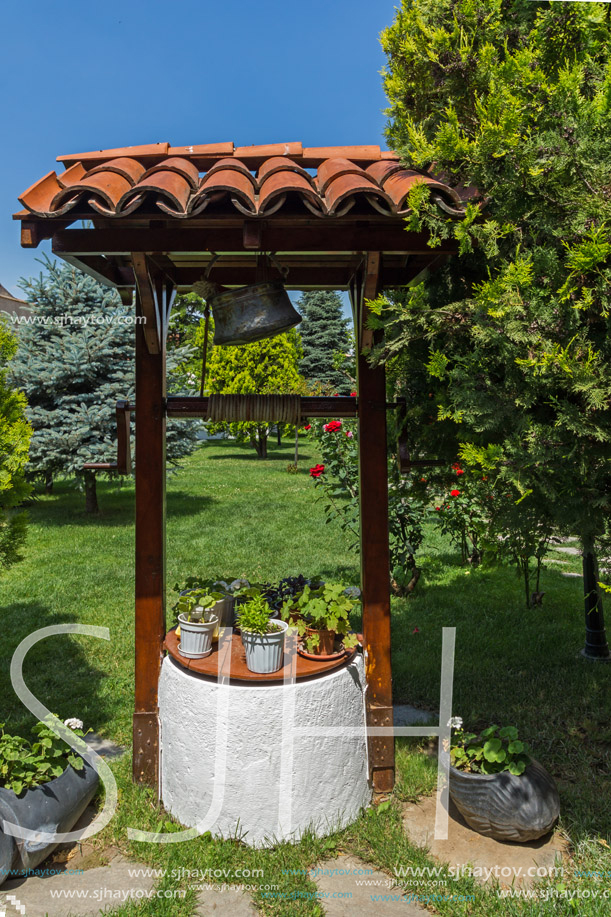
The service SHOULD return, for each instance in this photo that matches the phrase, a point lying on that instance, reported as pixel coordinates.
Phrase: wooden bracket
(123, 465)
(146, 748)
(381, 748)
(252, 235)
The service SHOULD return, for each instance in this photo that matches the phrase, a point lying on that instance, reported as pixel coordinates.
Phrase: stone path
(349, 887)
(490, 859)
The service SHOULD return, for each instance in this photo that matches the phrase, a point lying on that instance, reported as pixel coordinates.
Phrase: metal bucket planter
(53, 807)
(506, 807)
(265, 652)
(196, 637)
(252, 313)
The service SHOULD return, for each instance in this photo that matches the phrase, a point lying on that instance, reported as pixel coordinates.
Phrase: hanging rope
(284, 409)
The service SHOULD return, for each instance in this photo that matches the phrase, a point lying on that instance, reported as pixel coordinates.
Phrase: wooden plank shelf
(238, 670)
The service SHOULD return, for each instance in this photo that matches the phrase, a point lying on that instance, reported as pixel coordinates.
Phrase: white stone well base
(228, 767)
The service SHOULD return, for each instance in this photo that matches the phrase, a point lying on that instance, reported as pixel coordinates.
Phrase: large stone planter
(53, 807)
(506, 807)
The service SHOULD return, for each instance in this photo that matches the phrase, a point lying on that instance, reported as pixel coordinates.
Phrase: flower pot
(326, 641)
(236, 627)
(52, 807)
(504, 806)
(196, 637)
(265, 652)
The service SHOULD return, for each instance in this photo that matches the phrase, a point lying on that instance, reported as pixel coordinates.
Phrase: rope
(284, 409)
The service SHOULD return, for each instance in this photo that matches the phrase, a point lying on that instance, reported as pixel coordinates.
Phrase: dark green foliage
(324, 334)
(504, 355)
(73, 364)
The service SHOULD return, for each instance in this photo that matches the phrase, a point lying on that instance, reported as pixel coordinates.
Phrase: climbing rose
(349, 434)
(353, 394)
(437, 508)
(333, 426)
(316, 471)
(416, 630)
(455, 493)
(308, 426)
(457, 468)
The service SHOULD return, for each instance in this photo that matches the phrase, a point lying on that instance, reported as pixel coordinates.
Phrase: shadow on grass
(514, 666)
(116, 508)
(56, 670)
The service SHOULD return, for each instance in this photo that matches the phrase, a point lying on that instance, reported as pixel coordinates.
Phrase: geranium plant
(25, 764)
(494, 750)
(324, 609)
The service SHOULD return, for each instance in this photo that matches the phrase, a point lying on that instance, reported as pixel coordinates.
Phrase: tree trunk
(91, 496)
(260, 445)
(279, 434)
(48, 483)
(596, 646)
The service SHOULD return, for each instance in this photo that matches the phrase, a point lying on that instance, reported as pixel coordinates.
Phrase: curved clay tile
(72, 176)
(232, 164)
(399, 184)
(381, 171)
(130, 169)
(346, 186)
(107, 187)
(175, 164)
(283, 181)
(39, 196)
(172, 192)
(234, 181)
(331, 169)
(280, 164)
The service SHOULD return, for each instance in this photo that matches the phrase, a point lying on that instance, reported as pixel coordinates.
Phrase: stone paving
(489, 859)
(349, 887)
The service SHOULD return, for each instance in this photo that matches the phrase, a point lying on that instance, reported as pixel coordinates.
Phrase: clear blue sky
(85, 76)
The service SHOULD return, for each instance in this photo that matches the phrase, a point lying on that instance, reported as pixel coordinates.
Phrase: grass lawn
(231, 514)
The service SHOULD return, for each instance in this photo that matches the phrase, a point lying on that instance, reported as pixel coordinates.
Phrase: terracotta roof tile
(184, 181)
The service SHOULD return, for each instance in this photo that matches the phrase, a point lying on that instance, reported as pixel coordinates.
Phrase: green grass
(231, 514)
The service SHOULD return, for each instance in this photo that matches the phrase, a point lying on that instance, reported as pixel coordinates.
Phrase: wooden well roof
(317, 208)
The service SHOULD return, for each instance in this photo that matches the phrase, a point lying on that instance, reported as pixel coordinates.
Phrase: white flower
(73, 723)
(455, 722)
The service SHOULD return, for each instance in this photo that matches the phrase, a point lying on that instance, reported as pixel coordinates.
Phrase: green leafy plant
(25, 764)
(196, 604)
(492, 751)
(325, 608)
(254, 617)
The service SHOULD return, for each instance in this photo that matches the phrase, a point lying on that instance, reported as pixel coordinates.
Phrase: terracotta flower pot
(326, 641)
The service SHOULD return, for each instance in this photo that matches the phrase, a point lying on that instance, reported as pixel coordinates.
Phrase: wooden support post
(150, 547)
(375, 558)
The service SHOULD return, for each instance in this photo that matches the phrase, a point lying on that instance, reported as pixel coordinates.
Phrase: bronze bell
(252, 313)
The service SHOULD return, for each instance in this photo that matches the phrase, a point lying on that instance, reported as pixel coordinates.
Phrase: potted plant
(44, 786)
(321, 615)
(497, 787)
(222, 592)
(196, 623)
(262, 637)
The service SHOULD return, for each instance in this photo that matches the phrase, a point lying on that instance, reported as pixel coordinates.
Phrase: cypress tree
(324, 334)
(75, 361)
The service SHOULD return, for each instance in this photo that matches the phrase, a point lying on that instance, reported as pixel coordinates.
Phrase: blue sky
(78, 77)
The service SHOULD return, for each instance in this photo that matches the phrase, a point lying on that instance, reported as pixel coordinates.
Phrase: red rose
(416, 630)
(308, 426)
(457, 468)
(437, 508)
(333, 426)
(423, 480)
(353, 394)
(455, 493)
(316, 471)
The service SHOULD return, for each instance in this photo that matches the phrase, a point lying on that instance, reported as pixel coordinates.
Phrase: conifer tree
(511, 341)
(75, 361)
(267, 367)
(324, 334)
(15, 435)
